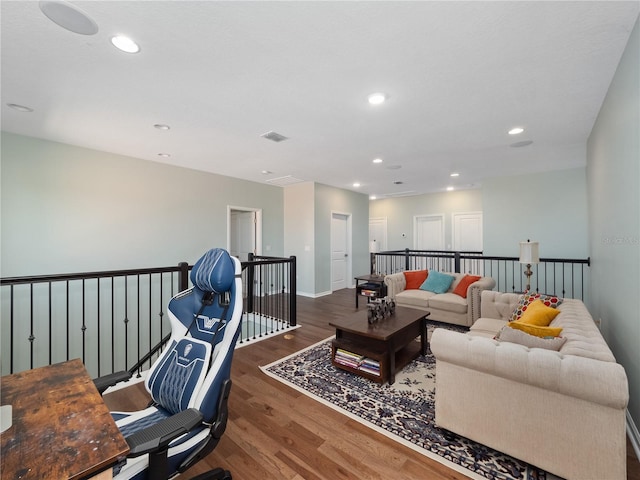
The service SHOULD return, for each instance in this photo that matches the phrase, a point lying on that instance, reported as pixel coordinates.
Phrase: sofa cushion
(507, 334)
(415, 278)
(463, 285)
(416, 298)
(437, 282)
(486, 327)
(448, 302)
(535, 330)
(537, 313)
(549, 300)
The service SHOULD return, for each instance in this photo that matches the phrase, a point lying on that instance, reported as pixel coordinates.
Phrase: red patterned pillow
(414, 278)
(549, 300)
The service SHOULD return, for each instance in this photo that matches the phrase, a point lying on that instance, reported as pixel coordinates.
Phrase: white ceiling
(458, 75)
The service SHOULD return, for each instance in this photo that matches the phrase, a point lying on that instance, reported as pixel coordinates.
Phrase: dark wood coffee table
(389, 342)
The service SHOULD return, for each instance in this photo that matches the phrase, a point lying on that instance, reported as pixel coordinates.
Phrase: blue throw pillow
(437, 282)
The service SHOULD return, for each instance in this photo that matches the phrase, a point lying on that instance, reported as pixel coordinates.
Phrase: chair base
(216, 474)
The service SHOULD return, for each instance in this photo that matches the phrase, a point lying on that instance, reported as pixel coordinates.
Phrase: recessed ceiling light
(377, 98)
(69, 16)
(449, 189)
(164, 155)
(20, 108)
(377, 160)
(372, 197)
(162, 126)
(266, 172)
(125, 44)
(356, 184)
(516, 131)
(455, 174)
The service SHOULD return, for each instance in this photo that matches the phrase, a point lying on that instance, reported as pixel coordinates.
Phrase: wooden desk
(61, 428)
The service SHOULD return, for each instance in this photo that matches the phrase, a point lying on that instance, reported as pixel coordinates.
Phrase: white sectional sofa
(563, 411)
(444, 307)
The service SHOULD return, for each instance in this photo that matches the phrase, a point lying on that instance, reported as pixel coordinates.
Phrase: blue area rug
(403, 411)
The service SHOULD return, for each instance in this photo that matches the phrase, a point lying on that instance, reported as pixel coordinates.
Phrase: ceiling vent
(274, 136)
(284, 181)
(406, 193)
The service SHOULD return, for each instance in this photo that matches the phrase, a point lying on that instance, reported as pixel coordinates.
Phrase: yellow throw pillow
(538, 314)
(542, 332)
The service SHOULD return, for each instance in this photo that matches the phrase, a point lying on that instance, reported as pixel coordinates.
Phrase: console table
(61, 428)
(372, 287)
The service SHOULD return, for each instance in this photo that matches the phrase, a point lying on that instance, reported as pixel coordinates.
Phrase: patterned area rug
(403, 411)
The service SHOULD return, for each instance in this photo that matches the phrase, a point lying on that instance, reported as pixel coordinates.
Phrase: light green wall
(299, 233)
(613, 176)
(400, 212)
(328, 200)
(71, 209)
(548, 207)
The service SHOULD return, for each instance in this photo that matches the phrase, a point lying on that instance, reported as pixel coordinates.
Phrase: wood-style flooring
(275, 432)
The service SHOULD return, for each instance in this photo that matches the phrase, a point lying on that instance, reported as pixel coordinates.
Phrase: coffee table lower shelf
(381, 355)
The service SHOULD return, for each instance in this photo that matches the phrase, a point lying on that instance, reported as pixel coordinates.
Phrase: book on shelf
(371, 371)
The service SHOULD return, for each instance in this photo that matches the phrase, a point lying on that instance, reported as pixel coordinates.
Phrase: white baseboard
(313, 295)
(633, 434)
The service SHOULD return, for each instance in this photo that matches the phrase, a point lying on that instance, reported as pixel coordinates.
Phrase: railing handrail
(125, 308)
(477, 255)
(86, 275)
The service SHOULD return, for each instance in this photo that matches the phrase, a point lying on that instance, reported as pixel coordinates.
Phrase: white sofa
(563, 411)
(444, 307)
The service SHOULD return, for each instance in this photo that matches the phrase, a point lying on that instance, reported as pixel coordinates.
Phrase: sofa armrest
(596, 381)
(396, 283)
(474, 293)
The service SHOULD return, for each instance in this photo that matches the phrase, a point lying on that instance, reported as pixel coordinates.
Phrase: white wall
(71, 209)
(548, 207)
(613, 174)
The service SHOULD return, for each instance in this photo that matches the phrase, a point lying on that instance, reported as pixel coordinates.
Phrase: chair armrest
(102, 383)
(157, 436)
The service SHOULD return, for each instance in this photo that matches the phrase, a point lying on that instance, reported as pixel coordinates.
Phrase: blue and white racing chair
(190, 381)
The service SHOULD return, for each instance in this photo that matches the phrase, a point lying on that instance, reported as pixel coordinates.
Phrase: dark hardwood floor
(275, 432)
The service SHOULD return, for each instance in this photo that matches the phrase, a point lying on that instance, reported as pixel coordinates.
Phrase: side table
(372, 287)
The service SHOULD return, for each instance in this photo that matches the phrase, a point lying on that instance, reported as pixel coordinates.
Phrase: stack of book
(370, 366)
(357, 362)
(350, 359)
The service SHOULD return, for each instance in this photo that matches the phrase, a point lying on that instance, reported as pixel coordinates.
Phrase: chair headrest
(214, 271)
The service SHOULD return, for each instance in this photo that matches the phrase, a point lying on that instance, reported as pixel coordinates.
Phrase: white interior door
(467, 237)
(378, 232)
(244, 232)
(428, 234)
(340, 260)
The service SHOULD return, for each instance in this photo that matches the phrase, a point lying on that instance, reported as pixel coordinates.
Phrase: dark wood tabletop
(62, 429)
(382, 330)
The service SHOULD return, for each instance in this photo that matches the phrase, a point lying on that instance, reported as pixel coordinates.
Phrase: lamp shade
(373, 246)
(529, 252)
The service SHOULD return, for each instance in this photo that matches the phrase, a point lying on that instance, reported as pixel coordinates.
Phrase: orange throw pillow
(462, 287)
(415, 278)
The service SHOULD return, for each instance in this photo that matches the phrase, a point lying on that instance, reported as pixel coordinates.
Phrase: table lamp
(529, 255)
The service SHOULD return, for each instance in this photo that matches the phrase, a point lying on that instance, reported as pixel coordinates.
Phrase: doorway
(340, 250)
(244, 232)
(467, 237)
